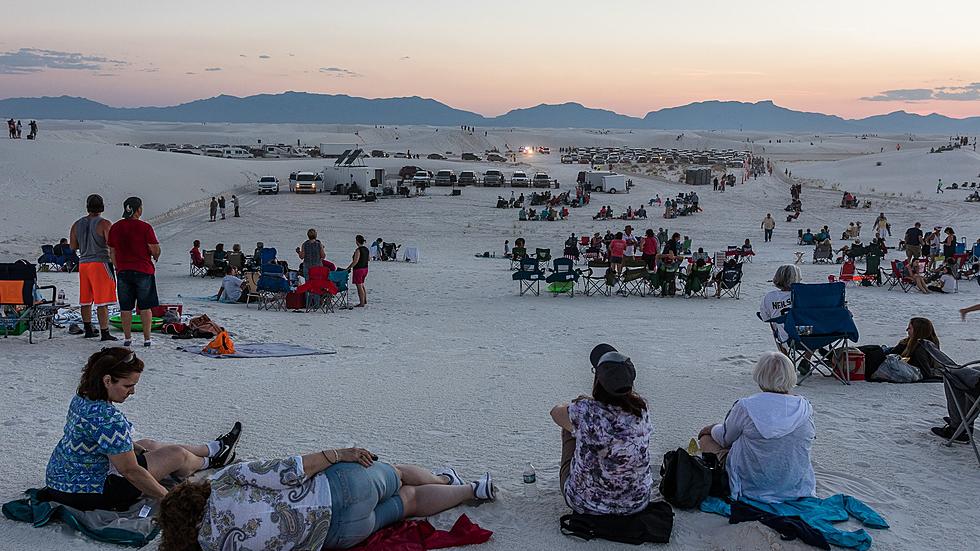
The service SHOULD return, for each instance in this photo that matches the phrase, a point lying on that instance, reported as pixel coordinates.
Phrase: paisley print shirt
(610, 471)
(266, 505)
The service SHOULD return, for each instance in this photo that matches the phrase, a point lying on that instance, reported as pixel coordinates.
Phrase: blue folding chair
(340, 278)
(268, 256)
(818, 326)
(529, 275)
(273, 288)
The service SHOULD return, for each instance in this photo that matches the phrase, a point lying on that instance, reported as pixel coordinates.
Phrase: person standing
(881, 226)
(33, 131)
(96, 283)
(214, 208)
(767, 226)
(234, 202)
(221, 206)
(359, 268)
(949, 244)
(311, 253)
(134, 248)
(913, 241)
(19, 129)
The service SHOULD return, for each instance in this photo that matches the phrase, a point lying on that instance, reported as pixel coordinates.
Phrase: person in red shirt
(196, 257)
(133, 247)
(617, 248)
(649, 246)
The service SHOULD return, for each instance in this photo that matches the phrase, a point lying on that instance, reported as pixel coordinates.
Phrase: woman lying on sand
(96, 465)
(329, 499)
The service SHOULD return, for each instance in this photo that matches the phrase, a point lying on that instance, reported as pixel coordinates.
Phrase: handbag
(651, 525)
(894, 370)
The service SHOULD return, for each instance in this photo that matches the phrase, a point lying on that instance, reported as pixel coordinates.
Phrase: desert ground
(448, 365)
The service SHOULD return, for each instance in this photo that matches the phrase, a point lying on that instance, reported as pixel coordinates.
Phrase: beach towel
(819, 513)
(133, 527)
(419, 535)
(264, 350)
(211, 298)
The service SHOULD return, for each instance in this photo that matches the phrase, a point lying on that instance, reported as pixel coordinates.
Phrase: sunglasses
(128, 359)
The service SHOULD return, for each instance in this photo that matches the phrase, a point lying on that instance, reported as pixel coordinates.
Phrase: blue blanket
(819, 513)
(263, 350)
(211, 298)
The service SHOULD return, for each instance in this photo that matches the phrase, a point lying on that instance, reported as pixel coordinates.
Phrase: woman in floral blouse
(605, 460)
(330, 499)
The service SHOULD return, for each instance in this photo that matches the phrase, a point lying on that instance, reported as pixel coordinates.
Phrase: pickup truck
(422, 178)
(466, 178)
(493, 178)
(541, 179)
(445, 178)
(268, 184)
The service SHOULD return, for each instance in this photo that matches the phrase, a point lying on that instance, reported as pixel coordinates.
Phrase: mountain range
(302, 107)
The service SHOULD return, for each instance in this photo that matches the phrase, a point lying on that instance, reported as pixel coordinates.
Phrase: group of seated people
(512, 203)
(928, 280)
(973, 197)
(61, 256)
(547, 213)
(683, 205)
(849, 201)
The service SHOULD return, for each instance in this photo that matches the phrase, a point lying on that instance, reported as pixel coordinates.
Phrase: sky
(851, 58)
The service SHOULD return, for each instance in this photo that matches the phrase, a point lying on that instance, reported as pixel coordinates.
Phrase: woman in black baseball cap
(605, 460)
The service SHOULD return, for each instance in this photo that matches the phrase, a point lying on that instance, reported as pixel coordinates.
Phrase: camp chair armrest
(54, 292)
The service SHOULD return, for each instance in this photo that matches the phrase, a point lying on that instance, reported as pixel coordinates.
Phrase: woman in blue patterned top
(605, 458)
(97, 465)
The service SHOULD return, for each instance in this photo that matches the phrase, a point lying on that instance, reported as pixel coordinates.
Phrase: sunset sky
(853, 58)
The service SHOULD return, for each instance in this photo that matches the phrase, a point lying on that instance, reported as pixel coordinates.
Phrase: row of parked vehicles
(299, 182)
(490, 178)
(602, 155)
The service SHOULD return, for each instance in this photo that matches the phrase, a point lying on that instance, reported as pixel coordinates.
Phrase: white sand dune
(448, 364)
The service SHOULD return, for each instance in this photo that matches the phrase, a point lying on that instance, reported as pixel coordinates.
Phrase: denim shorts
(136, 290)
(364, 500)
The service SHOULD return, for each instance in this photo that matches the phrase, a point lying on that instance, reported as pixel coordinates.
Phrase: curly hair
(116, 362)
(180, 516)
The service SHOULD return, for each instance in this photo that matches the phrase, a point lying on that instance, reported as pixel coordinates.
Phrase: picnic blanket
(211, 298)
(419, 535)
(133, 527)
(263, 350)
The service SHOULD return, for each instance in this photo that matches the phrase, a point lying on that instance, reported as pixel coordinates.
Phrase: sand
(447, 365)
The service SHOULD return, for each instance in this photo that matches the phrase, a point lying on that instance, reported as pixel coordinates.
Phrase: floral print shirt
(610, 472)
(267, 505)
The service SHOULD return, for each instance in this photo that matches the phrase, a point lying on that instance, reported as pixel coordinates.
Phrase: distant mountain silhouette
(302, 107)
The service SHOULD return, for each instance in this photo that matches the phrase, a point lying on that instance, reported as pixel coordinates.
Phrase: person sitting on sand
(97, 465)
(328, 499)
(605, 459)
(776, 302)
(908, 350)
(945, 283)
(232, 287)
(765, 439)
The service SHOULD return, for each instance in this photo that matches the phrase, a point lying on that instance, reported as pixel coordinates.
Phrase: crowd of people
(15, 129)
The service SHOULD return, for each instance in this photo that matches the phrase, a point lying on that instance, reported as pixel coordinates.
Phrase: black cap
(613, 370)
(95, 204)
(131, 205)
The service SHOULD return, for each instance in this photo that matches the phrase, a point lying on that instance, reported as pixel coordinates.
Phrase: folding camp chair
(341, 279)
(563, 277)
(237, 260)
(962, 385)
(516, 255)
(872, 269)
(848, 272)
(596, 279)
(731, 280)
(818, 326)
(251, 287)
(19, 311)
(696, 280)
(210, 269)
(529, 276)
(823, 253)
(273, 288)
(268, 256)
(635, 278)
(665, 280)
(319, 290)
(720, 258)
(899, 277)
(543, 255)
(195, 269)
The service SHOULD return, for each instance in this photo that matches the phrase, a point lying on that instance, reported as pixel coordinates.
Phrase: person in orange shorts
(97, 283)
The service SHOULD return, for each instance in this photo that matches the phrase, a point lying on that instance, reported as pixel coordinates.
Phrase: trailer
(335, 150)
(341, 179)
(609, 182)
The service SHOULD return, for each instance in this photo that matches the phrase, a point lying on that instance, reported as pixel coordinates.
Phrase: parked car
(496, 158)
(445, 178)
(378, 153)
(401, 155)
(519, 179)
(308, 182)
(268, 184)
(407, 172)
(435, 157)
(541, 179)
(471, 157)
(422, 178)
(467, 178)
(493, 178)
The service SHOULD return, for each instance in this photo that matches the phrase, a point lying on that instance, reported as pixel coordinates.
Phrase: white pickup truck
(268, 184)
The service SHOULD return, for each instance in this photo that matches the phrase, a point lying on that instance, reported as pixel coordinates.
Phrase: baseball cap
(613, 370)
(94, 203)
(131, 205)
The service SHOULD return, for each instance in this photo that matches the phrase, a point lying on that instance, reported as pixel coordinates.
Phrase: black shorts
(136, 290)
(118, 494)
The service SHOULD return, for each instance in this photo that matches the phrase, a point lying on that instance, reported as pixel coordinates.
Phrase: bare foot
(962, 314)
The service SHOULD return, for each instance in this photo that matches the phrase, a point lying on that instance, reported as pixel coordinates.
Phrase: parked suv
(445, 178)
(493, 178)
(466, 178)
(308, 182)
(541, 179)
(519, 179)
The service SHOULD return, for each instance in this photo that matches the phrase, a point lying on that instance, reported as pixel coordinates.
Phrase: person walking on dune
(234, 202)
(767, 226)
(214, 208)
(221, 206)
(134, 248)
(939, 186)
(96, 281)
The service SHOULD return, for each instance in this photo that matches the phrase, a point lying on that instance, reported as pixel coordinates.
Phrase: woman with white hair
(765, 439)
(776, 302)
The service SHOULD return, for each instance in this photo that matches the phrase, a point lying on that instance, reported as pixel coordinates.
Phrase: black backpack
(652, 525)
(686, 480)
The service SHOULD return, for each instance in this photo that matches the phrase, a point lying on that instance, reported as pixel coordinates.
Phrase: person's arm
(559, 414)
(154, 245)
(300, 253)
(355, 259)
(73, 239)
(727, 432)
(136, 475)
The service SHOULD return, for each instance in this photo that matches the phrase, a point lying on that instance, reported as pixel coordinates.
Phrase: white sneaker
(451, 474)
(483, 489)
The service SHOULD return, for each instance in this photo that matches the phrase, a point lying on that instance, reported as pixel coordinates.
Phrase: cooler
(849, 363)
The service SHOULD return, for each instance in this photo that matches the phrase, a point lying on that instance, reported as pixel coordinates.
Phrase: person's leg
(967, 310)
(362, 294)
(200, 450)
(87, 314)
(431, 499)
(126, 317)
(172, 459)
(146, 319)
(102, 312)
(708, 444)
(413, 475)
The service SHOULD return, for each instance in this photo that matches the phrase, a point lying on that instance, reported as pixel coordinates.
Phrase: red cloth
(130, 239)
(419, 535)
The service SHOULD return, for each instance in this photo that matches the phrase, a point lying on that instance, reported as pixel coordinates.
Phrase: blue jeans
(364, 500)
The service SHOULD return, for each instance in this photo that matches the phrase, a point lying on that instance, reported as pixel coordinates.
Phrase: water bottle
(61, 297)
(530, 481)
